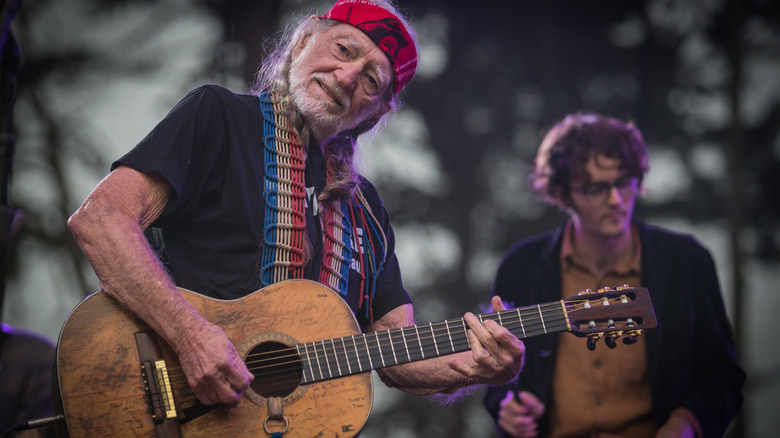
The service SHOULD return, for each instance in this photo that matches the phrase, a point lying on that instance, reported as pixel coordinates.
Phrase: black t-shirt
(210, 149)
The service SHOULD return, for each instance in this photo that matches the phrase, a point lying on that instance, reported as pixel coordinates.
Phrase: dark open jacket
(692, 358)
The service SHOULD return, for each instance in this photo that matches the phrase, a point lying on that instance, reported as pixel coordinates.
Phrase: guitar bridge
(158, 387)
(164, 383)
(157, 384)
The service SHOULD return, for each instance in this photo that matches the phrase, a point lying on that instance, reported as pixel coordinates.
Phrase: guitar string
(528, 320)
(329, 353)
(295, 381)
(425, 333)
(436, 331)
(285, 378)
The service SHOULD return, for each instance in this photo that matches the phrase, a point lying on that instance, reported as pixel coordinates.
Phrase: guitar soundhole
(277, 369)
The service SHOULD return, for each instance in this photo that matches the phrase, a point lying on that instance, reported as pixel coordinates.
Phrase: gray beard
(321, 124)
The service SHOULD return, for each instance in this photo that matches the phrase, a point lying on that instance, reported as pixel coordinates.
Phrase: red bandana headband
(384, 29)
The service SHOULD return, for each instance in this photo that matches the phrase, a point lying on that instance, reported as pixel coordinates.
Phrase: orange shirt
(606, 390)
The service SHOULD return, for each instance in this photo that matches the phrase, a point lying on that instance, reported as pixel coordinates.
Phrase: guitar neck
(332, 358)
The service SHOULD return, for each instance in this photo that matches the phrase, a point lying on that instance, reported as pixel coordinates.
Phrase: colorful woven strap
(284, 194)
(352, 236)
(337, 248)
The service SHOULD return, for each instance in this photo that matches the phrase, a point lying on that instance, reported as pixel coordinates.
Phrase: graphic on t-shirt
(311, 199)
(357, 242)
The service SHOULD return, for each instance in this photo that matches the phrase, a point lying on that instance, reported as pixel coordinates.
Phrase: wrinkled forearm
(427, 377)
(129, 271)
(109, 229)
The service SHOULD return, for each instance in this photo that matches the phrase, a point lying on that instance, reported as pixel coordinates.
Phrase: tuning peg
(631, 337)
(611, 339)
(592, 338)
(628, 340)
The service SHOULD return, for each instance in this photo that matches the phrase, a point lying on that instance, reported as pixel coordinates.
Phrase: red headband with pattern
(384, 29)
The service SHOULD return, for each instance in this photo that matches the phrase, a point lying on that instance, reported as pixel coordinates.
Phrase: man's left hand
(497, 353)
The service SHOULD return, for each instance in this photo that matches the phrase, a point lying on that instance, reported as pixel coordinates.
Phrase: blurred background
(701, 78)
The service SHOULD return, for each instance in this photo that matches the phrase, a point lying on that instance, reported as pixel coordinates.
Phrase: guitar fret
(379, 347)
(392, 347)
(346, 355)
(449, 335)
(327, 360)
(317, 360)
(433, 337)
(335, 357)
(370, 362)
(520, 318)
(406, 346)
(419, 342)
(357, 353)
(308, 358)
(465, 332)
(386, 348)
(413, 351)
(539, 308)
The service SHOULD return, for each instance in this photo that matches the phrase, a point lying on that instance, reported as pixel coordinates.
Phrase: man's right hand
(213, 367)
(518, 416)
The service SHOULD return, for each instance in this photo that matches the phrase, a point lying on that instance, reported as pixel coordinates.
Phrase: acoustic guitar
(115, 377)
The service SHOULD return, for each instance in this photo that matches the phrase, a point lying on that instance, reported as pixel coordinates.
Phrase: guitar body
(102, 389)
(114, 377)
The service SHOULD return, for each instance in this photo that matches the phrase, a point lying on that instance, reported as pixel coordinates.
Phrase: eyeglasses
(601, 190)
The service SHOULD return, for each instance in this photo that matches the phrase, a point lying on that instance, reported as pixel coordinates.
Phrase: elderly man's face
(338, 78)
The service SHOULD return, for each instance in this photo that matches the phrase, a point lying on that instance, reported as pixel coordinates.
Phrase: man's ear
(303, 38)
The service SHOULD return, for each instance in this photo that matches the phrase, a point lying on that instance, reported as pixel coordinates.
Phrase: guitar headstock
(622, 311)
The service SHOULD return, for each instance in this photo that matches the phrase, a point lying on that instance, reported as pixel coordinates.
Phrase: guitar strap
(353, 238)
(275, 406)
(284, 195)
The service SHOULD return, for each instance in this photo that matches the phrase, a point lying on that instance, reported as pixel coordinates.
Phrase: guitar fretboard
(332, 358)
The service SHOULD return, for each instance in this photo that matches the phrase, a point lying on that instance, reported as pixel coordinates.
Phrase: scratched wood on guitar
(102, 393)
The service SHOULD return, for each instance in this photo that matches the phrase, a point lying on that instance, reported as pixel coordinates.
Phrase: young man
(237, 192)
(681, 379)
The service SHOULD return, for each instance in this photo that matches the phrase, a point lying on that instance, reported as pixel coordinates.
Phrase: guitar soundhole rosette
(276, 366)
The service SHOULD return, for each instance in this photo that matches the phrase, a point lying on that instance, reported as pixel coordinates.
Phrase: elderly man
(235, 192)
